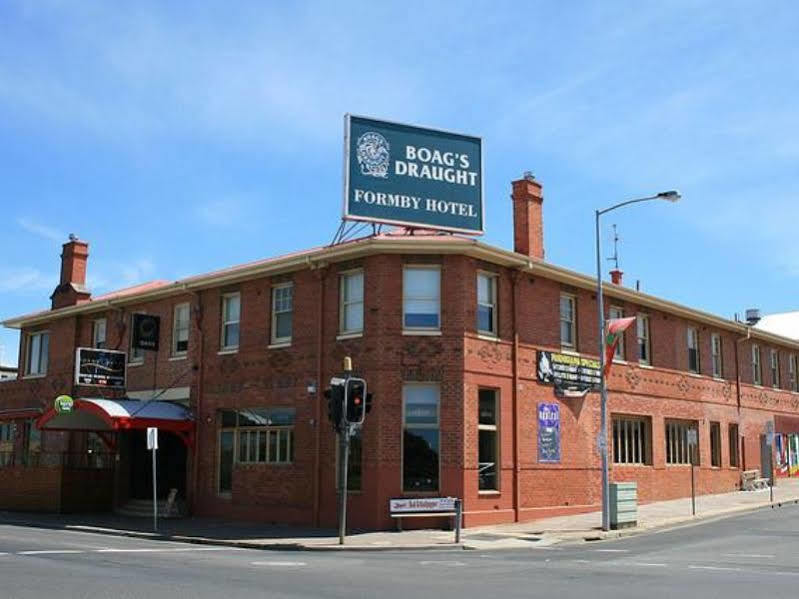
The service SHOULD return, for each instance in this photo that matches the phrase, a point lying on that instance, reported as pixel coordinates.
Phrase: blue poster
(548, 432)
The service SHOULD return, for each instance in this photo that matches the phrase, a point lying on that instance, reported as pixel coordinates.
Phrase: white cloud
(24, 280)
(222, 213)
(104, 276)
(41, 230)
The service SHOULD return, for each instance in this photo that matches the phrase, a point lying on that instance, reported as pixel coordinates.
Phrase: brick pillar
(528, 223)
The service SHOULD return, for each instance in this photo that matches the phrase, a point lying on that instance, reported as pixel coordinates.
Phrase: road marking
(719, 568)
(453, 564)
(649, 564)
(166, 549)
(582, 561)
(280, 564)
(49, 551)
(1, 553)
(612, 550)
(756, 555)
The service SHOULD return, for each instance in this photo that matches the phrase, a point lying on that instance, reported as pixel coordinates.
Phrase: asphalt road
(754, 555)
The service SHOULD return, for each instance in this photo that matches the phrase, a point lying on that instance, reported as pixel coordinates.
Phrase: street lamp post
(671, 196)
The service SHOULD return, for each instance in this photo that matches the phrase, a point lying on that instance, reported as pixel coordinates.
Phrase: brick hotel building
(445, 329)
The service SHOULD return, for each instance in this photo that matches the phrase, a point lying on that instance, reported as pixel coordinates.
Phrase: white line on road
(50, 551)
(611, 550)
(280, 564)
(719, 568)
(649, 564)
(442, 563)
(166, 549)
(755, 555)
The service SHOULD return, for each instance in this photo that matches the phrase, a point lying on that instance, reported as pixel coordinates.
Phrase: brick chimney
(615, 276)
(528, 223)
(72, 289)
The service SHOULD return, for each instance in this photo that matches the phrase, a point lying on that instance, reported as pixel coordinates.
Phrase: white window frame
(100, 333)
(436, 298)
(572, 324)
(615, 312)
(492, 280)
(226, 297)
(692, 340)
(42, 360)
(793, 382)
(497, 445)
(285, 340)
(346, 301)
(717, 355)
(177, 330)
(774, 367)
(757, 368)
(642, 324)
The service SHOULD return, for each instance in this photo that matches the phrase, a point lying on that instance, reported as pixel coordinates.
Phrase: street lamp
(670, 196)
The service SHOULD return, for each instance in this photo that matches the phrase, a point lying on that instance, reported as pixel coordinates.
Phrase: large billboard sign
(404, 175)
(100, 367)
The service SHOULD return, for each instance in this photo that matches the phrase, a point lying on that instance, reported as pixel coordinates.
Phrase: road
(752, 555)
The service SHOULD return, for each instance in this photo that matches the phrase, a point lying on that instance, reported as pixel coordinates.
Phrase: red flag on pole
(615, 328)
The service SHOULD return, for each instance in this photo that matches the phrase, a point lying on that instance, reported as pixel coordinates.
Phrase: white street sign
(692, 436)
(152, 438)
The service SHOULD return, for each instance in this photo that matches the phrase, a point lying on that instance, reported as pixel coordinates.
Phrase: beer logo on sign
(372, 152)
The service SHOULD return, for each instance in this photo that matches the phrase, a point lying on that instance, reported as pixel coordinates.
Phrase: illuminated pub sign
(404, 175)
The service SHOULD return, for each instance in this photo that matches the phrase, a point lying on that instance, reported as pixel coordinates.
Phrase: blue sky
(182, 137)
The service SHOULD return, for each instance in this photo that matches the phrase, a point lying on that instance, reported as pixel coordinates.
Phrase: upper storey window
(37, 353)
(421, 297)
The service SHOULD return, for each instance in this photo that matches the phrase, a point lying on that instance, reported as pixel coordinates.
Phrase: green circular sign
(63, 404)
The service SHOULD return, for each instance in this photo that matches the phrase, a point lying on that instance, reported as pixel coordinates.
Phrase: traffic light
(335, 405)
(354, 400)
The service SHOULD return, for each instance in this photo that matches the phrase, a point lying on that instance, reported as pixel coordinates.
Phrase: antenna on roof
(615, 257)
(73, 237)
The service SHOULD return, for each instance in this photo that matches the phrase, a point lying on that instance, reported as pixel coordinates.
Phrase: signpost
(770, 446)
(152, 444)
(63, 404)
(413, 176)
(693, 438)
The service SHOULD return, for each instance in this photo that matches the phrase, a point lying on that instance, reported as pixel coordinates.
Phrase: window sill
(619, 361)
(489, 493)
(485, 336)
(227, 352)
(344, 336)
(648, 366)
(34, 376)
(135, 364)
(569, 350)
(177, 358)
(696, 375)
(421, 333)
(279, 344)
(618, 465)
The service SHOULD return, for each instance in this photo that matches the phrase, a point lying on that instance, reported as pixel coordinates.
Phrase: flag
(615, 328)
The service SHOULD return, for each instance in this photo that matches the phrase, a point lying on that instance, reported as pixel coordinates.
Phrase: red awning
(786, 424)
(109, 415)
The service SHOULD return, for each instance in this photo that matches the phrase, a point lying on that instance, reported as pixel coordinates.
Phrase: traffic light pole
(344, 455)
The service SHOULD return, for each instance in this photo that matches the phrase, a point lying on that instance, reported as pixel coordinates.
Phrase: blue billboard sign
(403, 175)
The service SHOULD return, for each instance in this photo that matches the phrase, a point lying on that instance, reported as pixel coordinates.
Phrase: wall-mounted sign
(145, 331)
(404, 175)
(568, 372)
(63, 404)
(548, 432)
(100, 367)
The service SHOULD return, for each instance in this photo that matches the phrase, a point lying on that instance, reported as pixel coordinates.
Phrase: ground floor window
(733, 436)
(632, 439)
(715, 444)
(7, 434)
(679, 448)
(487, 442)
(420, 440)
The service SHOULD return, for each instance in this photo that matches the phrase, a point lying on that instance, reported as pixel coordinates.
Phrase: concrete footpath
(537, 533)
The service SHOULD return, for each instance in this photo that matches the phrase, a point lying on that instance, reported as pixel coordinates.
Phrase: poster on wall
(549, 433)
(568, 372)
